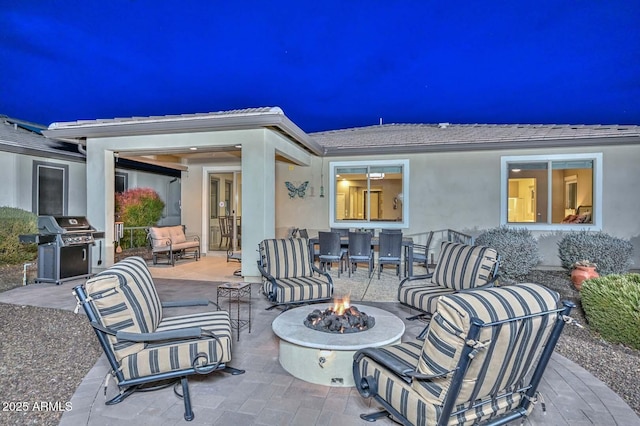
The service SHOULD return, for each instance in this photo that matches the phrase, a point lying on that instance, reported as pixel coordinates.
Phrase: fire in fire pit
(341, 318)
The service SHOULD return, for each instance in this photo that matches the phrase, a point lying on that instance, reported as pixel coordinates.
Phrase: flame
(340, 305)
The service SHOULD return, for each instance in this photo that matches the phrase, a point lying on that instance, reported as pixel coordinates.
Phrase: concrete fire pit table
(326, 358)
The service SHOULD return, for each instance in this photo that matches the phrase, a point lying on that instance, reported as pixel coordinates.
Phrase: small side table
(236, 293)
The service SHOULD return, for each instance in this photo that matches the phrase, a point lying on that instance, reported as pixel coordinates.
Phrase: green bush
(13, 223)
(138, 207)
(611, 254)
(518, 250)
(612, 307)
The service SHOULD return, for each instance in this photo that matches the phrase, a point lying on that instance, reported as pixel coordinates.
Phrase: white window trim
(365, 224)
(597, 191)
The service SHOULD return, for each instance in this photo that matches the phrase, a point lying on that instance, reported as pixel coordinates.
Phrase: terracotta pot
(581, 273)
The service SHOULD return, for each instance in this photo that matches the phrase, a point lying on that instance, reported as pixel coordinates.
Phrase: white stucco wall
(16, 175)
(461, 191)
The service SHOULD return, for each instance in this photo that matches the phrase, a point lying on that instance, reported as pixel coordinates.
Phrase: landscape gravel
(45, 354)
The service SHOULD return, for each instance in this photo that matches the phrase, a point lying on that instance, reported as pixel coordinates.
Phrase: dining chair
(390, 250)
(420, 253)
(330, 250)
(344, 232)
(226, 229)
(315, 252)
(360, 251)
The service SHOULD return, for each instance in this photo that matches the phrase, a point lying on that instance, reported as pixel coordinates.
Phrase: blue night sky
(328, 64)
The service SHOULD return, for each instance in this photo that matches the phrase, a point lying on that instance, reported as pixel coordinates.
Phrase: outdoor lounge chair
(144, 346)
(459, 267)
(288, 273)
(482, 360)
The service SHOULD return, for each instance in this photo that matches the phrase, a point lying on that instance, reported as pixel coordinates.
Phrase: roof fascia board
(39, 153)
(484, 146)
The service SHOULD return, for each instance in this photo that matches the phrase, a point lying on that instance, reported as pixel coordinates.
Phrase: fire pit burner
(347, 320)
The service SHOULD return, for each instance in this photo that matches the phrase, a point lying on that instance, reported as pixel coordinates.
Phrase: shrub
(138, 207)
(611, 254)
(14, 222)
(517, 248)
(612, 307)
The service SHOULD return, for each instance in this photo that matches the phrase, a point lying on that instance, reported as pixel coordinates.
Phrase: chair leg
(188, 411)
(372, 417)
(423, 333)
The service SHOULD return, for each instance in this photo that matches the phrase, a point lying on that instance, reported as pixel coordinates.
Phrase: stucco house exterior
(49, 177)
(256, 163)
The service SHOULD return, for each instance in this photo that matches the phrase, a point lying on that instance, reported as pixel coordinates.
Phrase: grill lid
(63, 224)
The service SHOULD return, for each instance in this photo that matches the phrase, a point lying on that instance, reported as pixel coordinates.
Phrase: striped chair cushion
(422, 296)
(290, 290)
(126, 299)
(510, 348)
(164, 357)
(404, 398)
(461, 266)
(397, 392)
(286, 258)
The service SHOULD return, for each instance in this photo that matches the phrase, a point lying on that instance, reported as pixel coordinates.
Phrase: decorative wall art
(297, 190)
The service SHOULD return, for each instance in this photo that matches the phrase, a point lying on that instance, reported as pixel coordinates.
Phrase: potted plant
(583, 270)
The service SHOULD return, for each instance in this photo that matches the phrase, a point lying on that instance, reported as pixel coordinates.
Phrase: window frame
(333, 223)
(124, 178)
(597, 191)
(64, 168)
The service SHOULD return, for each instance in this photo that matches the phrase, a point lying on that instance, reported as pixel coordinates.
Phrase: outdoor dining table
(407, 245)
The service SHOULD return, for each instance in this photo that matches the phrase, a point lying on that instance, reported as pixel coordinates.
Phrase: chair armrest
(181, 303)
(399, 368)
(181, 334)
(314, 268)
(403, 370)
(264, 273)
(416, 278)
(192, 237)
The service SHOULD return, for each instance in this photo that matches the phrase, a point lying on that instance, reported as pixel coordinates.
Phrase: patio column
(258, 202)
(101, 202)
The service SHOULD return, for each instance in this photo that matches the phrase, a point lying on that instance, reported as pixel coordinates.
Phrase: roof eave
(204, 123)
(482, 146)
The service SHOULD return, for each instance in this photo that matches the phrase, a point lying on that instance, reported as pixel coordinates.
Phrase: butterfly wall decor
(297, 190)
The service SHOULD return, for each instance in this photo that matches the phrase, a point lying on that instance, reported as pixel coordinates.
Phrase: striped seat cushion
(177, 355)
(126, 300)
(396, 391)
(286, 258)
(403, 397)
(461, 266)
(509, 350)
(290, 290)
(422, 296)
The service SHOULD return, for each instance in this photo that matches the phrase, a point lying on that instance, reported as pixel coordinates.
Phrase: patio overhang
(269, 118)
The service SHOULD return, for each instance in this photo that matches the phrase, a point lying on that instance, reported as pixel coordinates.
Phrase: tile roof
(175, 117)
(24, 138)
(398, 138)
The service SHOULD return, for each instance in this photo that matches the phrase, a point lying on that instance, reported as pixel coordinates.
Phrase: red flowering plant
(138, 207)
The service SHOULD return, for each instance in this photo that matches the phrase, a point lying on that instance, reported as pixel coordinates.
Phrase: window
(50, 197)
(552, 192)
(363, 193)
(121, 182)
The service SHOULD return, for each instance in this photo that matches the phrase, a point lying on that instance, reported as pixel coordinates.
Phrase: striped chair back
(517, 319)
(461, 266)
(286, 258)
(126, 300)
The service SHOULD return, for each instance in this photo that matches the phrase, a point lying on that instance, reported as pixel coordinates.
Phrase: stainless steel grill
(64, 251)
